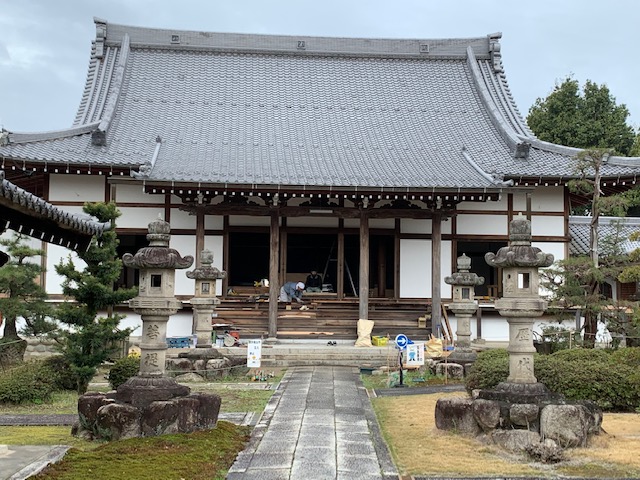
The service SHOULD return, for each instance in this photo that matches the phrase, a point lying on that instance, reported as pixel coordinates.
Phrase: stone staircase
(285, 354)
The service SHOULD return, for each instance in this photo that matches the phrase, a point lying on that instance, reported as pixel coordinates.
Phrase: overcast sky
(45, 44)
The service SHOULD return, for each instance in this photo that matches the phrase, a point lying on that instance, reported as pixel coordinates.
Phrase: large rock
(568, 425)
(117, 421)
(160, 418)
(515, 440)
(524, 415)
(88, 405)
(487, 414)
(456, 414)
(451, 370)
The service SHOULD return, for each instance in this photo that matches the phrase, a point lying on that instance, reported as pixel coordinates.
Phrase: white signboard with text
(254, 353)
(415, 355)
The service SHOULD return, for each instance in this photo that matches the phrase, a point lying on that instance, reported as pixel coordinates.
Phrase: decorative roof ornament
(158, 254)
(519, 252)
(494, 51)
(4, 137)
(101, 36)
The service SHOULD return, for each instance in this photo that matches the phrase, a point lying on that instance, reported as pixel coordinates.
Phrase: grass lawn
(418, 448)
(199, 455)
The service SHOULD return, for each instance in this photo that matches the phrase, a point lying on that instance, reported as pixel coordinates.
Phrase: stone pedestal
(150, 403)
(521, 413)
(205, 301)
(464, 306)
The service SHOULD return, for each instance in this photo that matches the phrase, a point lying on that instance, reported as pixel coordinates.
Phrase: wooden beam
(382, 268)
(364, 267)
(199, 234)
(274, 284)
(225, 254)
(340, 266)
(436, 253)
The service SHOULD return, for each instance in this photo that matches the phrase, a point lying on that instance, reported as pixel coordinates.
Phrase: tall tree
(87, 340)
(22, 296)
(586, 119)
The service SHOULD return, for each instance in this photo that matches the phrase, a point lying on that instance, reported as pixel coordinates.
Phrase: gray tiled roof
(29, 214)
(257, 109)
(610, 230)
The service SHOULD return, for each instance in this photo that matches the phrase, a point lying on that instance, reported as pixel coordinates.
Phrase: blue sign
(401, 341)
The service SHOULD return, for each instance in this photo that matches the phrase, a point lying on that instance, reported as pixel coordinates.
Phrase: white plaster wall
(135, 194)
(555, 248)
(547, 225)
(388, 223)
(53, 281)
(543, 199)
(135, 217)
(415, 268)
(499, 205)
(182, 219)
(482, 224)
(213, 222)
(76, 188)
(496, 329)
(185, 245)
(246, 220)
(351, 223)
(328, 222)
(415, 225)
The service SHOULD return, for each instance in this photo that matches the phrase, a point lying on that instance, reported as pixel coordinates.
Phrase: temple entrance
(249, 260)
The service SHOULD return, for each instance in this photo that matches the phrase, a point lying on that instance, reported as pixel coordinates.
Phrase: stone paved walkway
(318, 425)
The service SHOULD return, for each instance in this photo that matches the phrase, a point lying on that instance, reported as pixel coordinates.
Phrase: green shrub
(123, 370)
(628, 356)
(31, 382)
(490, 368)
(607, 383)
(612, 380)
(63, 373)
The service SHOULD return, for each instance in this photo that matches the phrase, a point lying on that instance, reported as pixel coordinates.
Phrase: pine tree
(87, 340)
(22, 296)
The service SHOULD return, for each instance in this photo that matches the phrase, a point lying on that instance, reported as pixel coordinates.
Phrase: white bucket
(219, 342)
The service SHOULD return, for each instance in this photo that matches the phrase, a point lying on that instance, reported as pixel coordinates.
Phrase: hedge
(611, 379)
(31, 382)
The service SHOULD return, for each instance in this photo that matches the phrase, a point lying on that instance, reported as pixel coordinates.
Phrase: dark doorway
(312, 251)
(130, 277)
(476, 251)
(248, 258)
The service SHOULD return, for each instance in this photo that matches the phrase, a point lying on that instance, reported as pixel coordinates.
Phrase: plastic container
(379, 341)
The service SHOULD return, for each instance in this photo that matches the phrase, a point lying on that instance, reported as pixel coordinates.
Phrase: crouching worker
(291, 291)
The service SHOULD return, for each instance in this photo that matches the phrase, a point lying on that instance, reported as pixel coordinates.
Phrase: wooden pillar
(282, 278)
(199, 234)
(225, 254)
(340, 264)
(274, 284)
(436, 253)
(364, 266)
(396, 260)
(382, 268)
(478, 324)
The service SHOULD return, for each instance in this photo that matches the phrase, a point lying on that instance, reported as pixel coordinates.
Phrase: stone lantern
(205, 300)
(150, 403)
(464, 305)
(521, 303)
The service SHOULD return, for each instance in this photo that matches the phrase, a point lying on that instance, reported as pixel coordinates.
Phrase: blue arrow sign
(401, 341)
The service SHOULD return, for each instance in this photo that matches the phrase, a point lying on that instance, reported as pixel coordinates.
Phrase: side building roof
(27, 213)
(611, 231)
(222, 109)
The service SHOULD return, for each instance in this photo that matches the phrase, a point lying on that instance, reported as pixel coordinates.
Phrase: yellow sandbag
(365, 327)
(434, 347)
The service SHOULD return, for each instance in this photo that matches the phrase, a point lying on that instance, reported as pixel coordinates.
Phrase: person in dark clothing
(314, 282)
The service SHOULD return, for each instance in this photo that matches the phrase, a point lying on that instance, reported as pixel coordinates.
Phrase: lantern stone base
(518, 416)
(145, 406)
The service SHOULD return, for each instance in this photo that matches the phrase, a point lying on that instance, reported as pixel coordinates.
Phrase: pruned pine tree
(21, 296)
(91, 332)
